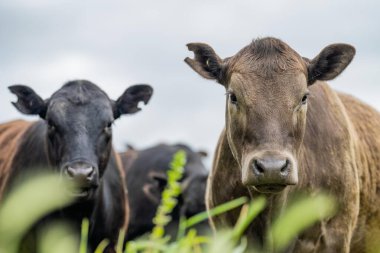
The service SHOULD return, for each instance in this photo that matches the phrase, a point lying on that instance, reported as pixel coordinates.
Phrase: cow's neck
(226, 170)
(260, 227)
(110, 208)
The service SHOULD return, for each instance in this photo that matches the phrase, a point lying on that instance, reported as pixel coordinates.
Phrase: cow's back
(366, 122)
(10, 136)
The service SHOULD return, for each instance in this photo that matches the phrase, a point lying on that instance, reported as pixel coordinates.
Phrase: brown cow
(271, 146)
(73, 138)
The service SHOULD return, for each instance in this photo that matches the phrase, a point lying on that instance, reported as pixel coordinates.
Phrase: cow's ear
(129, 101)
(28, 102)
(203, 153)
(155, 186)
(160, 181)
(206, 62)
(330, 62)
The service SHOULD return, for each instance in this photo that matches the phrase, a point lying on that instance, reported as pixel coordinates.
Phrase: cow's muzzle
(84, 175)
(270, 172)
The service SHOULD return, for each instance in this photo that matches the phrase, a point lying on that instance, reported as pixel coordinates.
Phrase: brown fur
(10, 134)
(333, 143)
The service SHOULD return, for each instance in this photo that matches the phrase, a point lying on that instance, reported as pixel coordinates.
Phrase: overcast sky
(115, 44)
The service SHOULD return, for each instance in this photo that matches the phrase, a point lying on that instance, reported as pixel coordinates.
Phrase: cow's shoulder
(366, 122)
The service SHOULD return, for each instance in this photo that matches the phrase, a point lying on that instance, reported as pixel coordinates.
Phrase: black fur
(205, 60)
(28, 101)
(149, 171)
(76, 128)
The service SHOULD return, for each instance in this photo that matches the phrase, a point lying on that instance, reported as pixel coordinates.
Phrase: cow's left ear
(330, 62)
(155, 187)
(28, 102)
(203, 153)
(128, 102)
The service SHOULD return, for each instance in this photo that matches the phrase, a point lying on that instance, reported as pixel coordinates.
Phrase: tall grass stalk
(84, 236)
(169, 196)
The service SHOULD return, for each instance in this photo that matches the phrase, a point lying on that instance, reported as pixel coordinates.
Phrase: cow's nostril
(285, 166)
(270, 166)
(258, 167)
(70, 171)
(80, 172)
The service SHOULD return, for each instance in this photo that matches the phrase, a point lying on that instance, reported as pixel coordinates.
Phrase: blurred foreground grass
(44, 193)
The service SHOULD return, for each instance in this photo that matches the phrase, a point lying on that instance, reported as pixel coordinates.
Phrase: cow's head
(267, 94)
(193, 182)
(79, 119)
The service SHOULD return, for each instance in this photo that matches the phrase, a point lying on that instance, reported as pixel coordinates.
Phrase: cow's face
(267, 94)
(193, 195)
(79, 120)
(193, 182)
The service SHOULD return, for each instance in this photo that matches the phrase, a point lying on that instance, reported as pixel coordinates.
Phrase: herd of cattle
(286, 131)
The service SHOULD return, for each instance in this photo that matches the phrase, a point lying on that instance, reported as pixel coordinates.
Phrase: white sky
(115, 44)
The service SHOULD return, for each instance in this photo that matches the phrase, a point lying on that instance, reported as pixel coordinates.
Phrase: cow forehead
(281, 88)
(64, 109)
(265, 57)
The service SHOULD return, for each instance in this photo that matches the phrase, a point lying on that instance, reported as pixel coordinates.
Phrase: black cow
(74, 138)
(146, 179)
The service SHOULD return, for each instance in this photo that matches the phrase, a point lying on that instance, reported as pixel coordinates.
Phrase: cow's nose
(269, 166)
(83, 173)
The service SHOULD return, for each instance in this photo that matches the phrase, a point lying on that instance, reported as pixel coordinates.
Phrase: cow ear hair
(206, 62)
(203, 153)
(129, 101)
(28, 102)
(329, 63)
(160, 179)
(155, 186)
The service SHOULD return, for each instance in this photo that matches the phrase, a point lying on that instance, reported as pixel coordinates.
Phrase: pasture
(59, 238)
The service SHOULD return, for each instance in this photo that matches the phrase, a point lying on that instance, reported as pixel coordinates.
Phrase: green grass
(43, 193)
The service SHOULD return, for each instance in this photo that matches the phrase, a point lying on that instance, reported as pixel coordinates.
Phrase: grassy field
(43, 194)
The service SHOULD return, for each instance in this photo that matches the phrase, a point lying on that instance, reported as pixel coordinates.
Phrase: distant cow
(287, 131)
(73, 138)
(146, 179)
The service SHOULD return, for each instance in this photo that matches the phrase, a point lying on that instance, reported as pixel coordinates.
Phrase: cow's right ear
(206, 62)
(28, 101)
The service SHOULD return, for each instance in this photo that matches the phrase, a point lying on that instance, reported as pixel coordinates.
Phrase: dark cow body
(279, 141)
(146, 179)
(73, 138)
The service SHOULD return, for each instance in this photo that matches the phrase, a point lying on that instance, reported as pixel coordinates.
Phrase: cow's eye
(304, 99)
(232, 98)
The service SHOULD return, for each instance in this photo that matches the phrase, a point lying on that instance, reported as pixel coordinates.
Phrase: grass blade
(215, 211)
(248, 214)
(102, 246)
(84, 236)
(299, 216)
